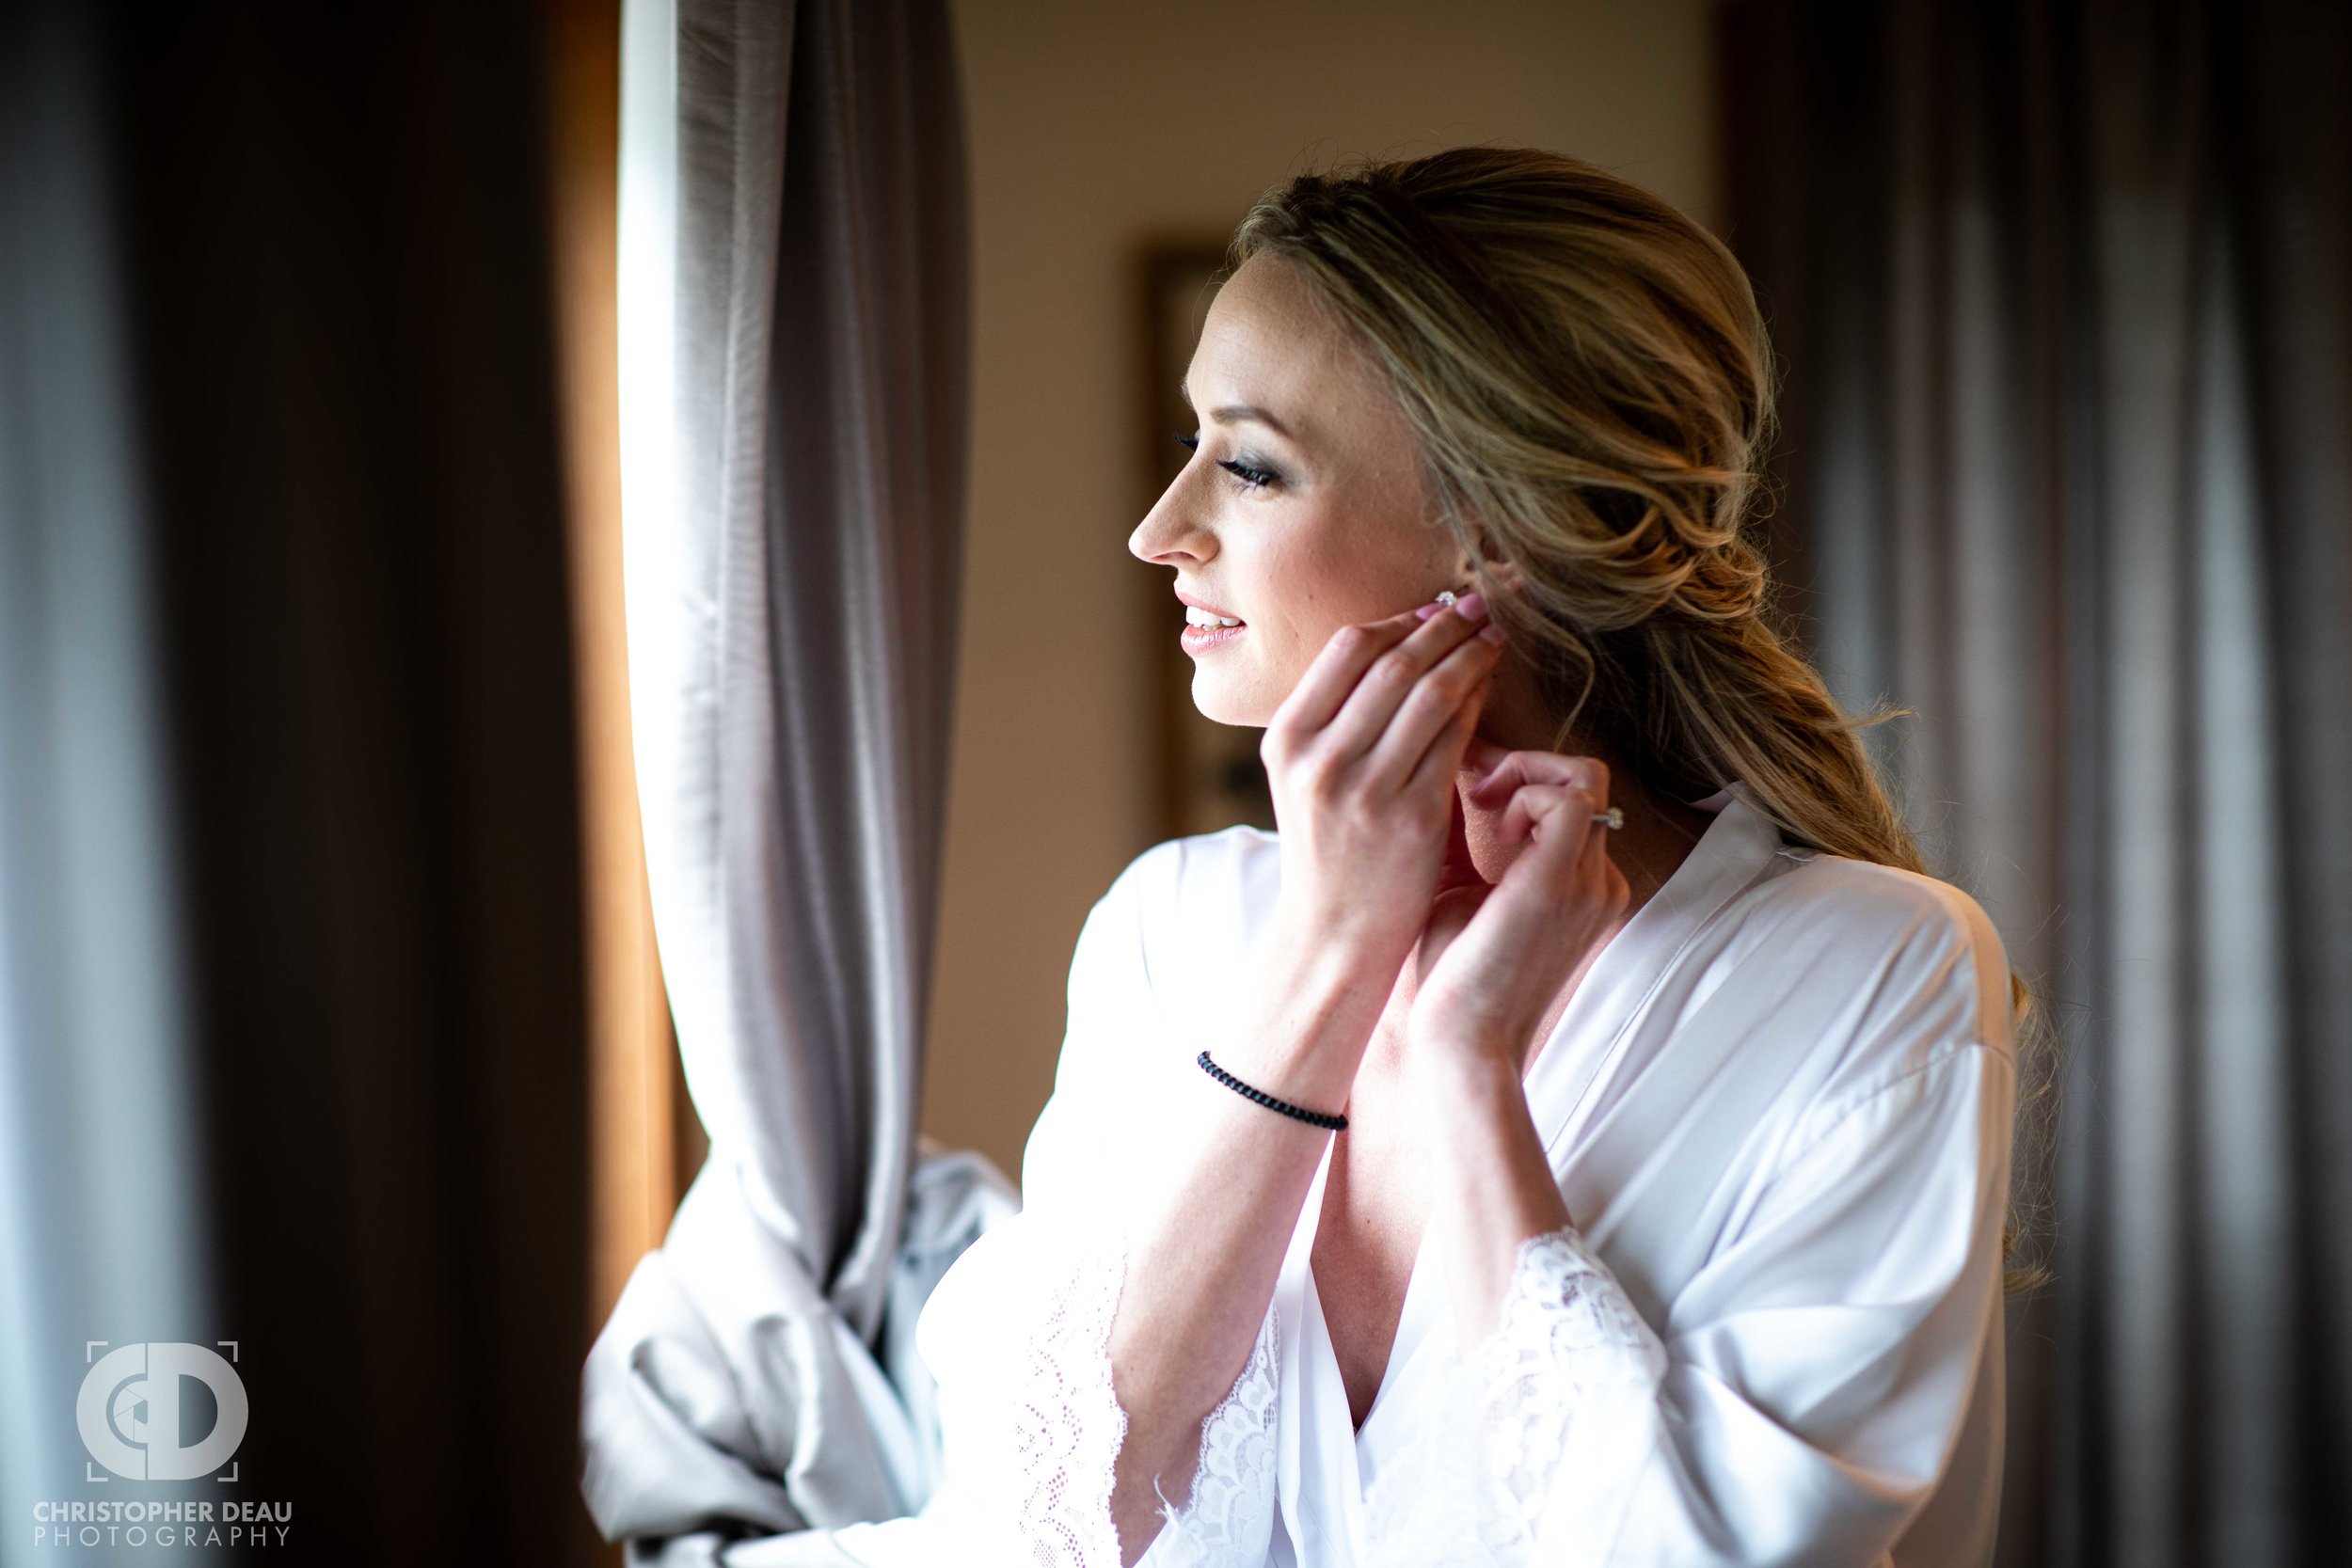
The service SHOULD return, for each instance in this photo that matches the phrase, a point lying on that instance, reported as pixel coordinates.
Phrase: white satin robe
(1779, 1109)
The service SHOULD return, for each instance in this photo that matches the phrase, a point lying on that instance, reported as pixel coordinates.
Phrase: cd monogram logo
(132, 1415)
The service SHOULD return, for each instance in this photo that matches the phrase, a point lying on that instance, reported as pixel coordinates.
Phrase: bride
(1581, 1134)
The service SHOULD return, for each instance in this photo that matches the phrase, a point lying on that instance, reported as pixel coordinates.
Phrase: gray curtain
(92, 966)
(794, 339)
(2064, 294)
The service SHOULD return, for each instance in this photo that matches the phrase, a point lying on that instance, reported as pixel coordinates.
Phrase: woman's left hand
(1494, 956)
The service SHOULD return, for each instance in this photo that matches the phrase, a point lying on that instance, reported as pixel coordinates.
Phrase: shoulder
(1228, 861)
(1895, 970)
(1182, 891)
(1882, 910)
(1195, 866)
(1888, 992)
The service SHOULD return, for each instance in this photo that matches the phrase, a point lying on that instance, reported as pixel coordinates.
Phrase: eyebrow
(1234, 413)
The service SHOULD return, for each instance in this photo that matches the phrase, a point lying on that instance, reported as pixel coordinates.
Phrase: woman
(1580, 1135)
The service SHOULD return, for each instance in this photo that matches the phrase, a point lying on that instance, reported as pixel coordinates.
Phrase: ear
(1458, 869)
(1505, 574)
(1479, 550)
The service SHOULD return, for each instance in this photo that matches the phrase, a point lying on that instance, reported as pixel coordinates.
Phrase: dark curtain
(2063, 293)
(323, 254)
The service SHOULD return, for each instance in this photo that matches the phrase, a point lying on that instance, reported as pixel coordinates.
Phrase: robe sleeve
(1018, 1335)
(1067, 1428)
(1068, 1425)
(1800, 1400)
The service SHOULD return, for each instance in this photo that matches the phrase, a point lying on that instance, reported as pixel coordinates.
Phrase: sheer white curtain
(793, 292)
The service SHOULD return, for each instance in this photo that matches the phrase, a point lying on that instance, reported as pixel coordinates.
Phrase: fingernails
(1426, 610)
(1470, 606)
(1492, 632)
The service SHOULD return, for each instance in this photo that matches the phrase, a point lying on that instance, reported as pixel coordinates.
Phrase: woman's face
(1303, 508)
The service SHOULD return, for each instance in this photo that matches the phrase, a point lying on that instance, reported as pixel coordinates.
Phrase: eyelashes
(1249, 475)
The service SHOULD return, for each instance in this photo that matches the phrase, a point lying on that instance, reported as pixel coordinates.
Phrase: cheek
(1307, 589)
(1307, 567)
(1350, 565)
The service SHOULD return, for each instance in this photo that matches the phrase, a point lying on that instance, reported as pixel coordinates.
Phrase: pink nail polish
(1426, 610)
(1492, 632)
(1470, 606)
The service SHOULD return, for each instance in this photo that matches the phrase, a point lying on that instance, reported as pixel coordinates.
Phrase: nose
(1172, 531)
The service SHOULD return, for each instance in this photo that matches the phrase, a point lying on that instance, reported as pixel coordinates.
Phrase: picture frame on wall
(1209, 775)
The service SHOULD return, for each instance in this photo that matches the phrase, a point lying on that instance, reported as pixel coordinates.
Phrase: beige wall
(1093, 123)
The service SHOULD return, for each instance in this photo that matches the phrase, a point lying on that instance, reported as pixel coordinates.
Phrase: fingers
(1549, 797)
(1383, 689)
(1441, 759)
(1559, 819)
(1503, 771)
(1424, 737)
(1317, 698)
(1407, 694)
(1485, 754)
(1570, 855)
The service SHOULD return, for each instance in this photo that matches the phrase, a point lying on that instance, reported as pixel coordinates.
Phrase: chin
(1224, 701)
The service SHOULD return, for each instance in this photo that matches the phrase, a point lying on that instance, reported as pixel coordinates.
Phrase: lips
(1198, 639)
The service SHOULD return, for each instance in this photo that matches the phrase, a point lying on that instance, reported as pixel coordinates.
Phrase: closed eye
(1250, 476)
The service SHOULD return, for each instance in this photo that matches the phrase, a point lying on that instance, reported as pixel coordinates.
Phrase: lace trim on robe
(1069, 1427)
(1228, 1519)
(1546, 1413)
(1067, 1423)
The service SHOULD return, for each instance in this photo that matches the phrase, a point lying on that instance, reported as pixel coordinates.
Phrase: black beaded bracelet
(1335, 1124)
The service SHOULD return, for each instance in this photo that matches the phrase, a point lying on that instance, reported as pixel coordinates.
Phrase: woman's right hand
(1362, 758)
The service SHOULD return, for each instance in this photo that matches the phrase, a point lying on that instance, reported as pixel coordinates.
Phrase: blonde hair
(1591, 386)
